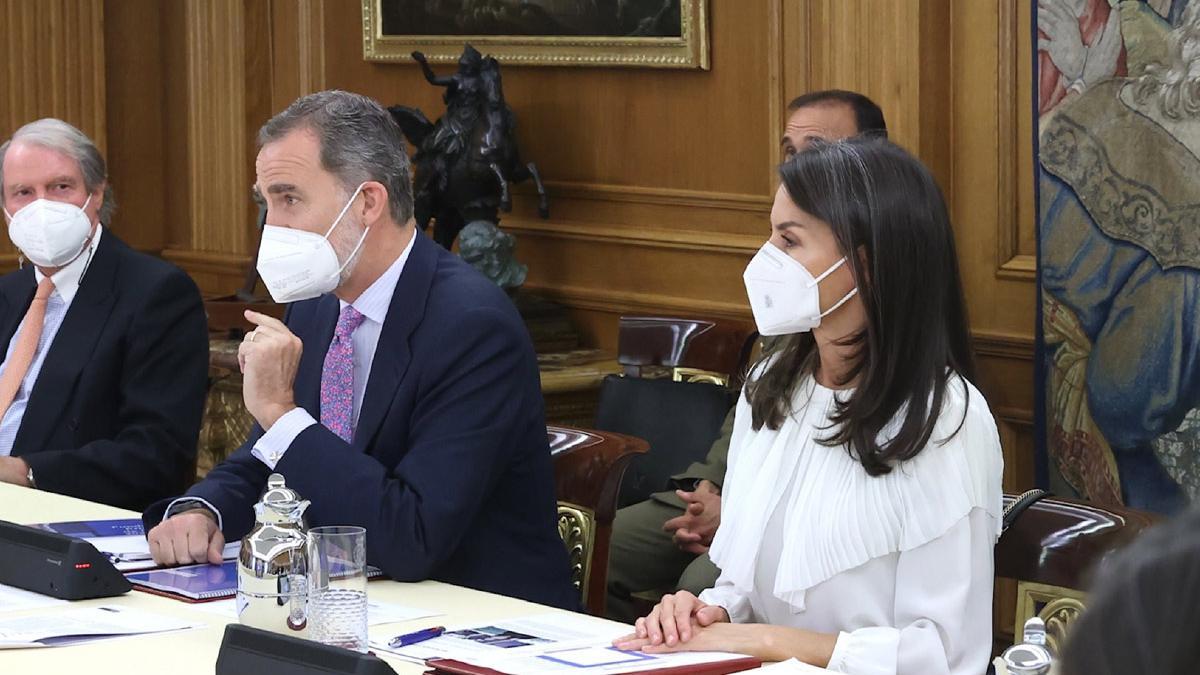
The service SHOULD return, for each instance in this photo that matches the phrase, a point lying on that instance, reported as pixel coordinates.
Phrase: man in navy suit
(105, 349)
(401, 392)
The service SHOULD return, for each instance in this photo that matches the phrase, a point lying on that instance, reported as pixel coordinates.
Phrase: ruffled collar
(836, 516)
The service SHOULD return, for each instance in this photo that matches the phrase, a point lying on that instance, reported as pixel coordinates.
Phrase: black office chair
(680, 413)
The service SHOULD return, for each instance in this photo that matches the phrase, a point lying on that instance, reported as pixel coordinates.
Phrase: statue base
(548, 323)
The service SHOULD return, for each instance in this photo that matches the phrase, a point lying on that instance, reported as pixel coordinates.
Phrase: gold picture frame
(687, 50)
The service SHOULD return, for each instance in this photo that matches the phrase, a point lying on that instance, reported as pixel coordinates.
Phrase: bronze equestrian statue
(466, 160)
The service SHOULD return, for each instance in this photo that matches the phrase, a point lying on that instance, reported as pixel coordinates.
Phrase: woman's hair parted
(890, 222)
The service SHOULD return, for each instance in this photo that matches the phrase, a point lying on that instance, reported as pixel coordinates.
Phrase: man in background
(106, 349)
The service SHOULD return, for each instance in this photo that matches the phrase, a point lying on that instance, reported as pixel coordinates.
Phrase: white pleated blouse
(899, 566)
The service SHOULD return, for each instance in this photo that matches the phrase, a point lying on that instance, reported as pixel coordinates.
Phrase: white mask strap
(344, 210)
(853, 292)
(832, 268)
(353, 253)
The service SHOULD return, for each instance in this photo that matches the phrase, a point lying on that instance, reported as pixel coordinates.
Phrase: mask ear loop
(20, 255)
(90, 247)
(361, 240)
(845, 298)
(87, 243)
(345, 208)
(832, 268)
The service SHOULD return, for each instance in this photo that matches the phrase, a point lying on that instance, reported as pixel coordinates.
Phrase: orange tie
(26, 347)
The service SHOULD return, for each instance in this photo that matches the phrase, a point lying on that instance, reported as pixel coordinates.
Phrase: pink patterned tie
(337, 379)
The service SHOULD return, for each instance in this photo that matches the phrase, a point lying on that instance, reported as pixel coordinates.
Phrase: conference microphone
(56, 565)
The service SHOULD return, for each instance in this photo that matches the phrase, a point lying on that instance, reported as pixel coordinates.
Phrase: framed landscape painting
(643, 33)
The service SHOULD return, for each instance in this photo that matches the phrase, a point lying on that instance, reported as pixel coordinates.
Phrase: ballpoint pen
(419, 636)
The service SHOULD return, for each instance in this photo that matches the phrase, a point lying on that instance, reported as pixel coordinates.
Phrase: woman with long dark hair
(862, 498)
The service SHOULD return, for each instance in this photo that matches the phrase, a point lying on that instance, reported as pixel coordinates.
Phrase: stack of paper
(79, 625)
(13, 599)
(549, 644)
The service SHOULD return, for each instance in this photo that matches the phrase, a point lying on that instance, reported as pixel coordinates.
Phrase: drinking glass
(337, 592)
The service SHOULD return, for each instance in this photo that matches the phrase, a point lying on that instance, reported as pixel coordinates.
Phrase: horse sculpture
(466, 160)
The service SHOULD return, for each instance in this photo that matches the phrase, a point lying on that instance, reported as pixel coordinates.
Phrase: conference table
(195, 650)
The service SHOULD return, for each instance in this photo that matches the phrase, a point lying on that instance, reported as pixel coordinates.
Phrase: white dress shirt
(66, 285)
(898, 566)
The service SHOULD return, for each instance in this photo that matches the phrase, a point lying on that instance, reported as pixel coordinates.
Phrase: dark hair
(1143, 608)
(360, 141)
(883, 205)
(867, 116)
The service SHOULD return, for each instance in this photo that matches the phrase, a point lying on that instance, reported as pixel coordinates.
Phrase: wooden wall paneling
(997, 301)
(136, 86)
(259, 104)
(932, 63)
(54, 64)
(297, 50)
(991, 184)
(53, 55)
(217, 128)
(1006, 372)
(177, 114)
(1016, 244)
(229, 94)
(894, 52)
(779, 55)
(690, 130)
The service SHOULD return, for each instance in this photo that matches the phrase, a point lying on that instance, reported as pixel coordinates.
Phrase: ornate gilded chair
(1049, 547)
(588, 466)
(680, 376)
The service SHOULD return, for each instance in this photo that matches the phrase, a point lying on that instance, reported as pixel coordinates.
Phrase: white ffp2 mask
(784, 296)
(50, 233)
(298, 265)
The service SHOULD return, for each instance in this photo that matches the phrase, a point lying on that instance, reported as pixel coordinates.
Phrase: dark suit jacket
(115, 412)
(450, 469)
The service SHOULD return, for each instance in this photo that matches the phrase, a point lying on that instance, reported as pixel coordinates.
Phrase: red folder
(451, 667)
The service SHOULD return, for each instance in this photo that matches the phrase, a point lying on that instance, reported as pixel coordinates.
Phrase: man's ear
(97, 203)
(375, 202)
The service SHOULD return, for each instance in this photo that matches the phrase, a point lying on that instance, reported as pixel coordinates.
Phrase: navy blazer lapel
(307, 388)
(72, 347)
(392, 354)
(16, 298)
